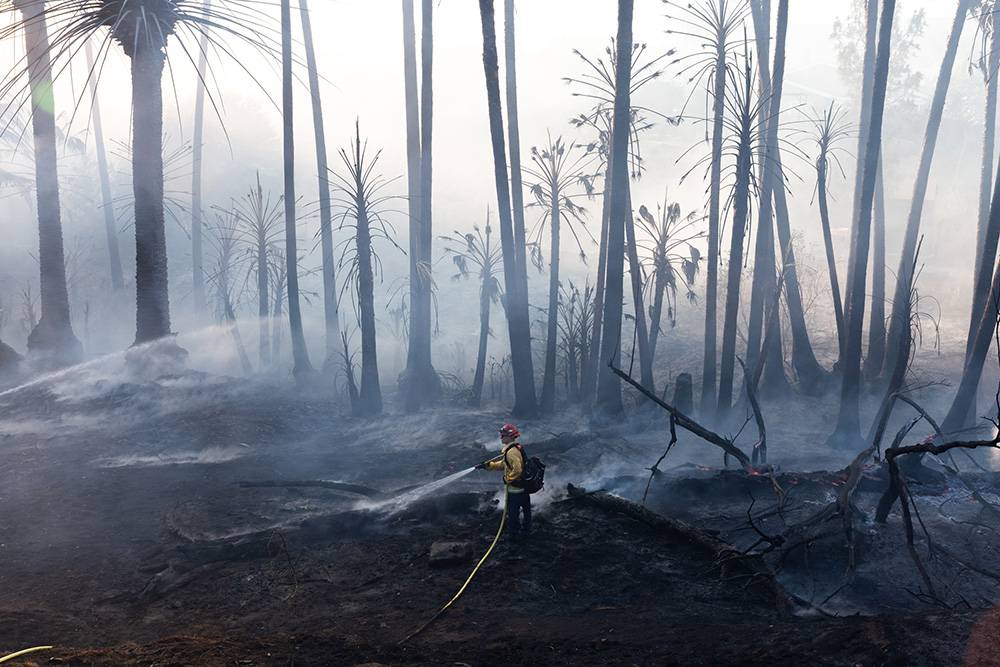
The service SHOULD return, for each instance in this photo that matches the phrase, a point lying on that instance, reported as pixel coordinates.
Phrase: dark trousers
(518, 503)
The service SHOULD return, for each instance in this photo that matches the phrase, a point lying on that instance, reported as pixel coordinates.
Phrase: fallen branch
(759, 452)
(656, 466)
(687, 423)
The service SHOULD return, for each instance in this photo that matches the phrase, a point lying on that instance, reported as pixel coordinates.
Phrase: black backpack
(532, 477)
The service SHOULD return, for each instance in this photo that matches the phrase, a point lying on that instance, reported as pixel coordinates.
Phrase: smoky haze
(359, 51)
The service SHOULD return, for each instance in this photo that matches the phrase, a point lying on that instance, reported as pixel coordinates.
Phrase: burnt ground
(154, 524)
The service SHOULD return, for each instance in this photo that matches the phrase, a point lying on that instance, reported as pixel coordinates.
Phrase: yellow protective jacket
(512, 465)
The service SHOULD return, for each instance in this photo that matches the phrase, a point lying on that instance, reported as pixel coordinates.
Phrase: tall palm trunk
(876, 324)
(848, 431)
(588, 374)
(370, 399)
(808, 370)
(485, 301)
(422, 384)
(151, 279)
(552, 338)
(107, 201)
(639, 310)
(609, 391)
(764, 287)
(518, 322)
(831, 261)
(709, 396)
(735, 272)
(514, 138)
(197, 147)
(300, 354)
(413, 181)
(810, 373)
(331, 308)
(899, 318)
(864, 121)
(965, 397)
(986, 237)
(988, 229)
(656, 312)
(263, 288)
(52, 338)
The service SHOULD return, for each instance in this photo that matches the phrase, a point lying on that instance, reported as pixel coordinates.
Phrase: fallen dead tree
(733, 564)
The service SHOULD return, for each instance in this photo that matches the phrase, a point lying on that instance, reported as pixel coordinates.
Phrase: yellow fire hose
(496, 538)
(26, 651)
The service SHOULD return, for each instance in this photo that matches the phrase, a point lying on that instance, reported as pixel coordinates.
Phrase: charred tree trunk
(548, 399)
(831, 261)
(735, 272)
(764, 291)
(413, 183)
(988, 229)
(484, 336)
(864, 122)
(52, 338)
(635, 273)
(197, 149)
(370, 398)
(609, 391)
(331, 308)
(656, 313)
(810, 374)
(588, 374)
(107, 201)
(263, 289)
(514, 138)
(898, 318)
(422, 384)
(518, 322)
(848, 430)
(151, 282)
(709, 395)
(965, 397)
(876, 324)
(300, 354)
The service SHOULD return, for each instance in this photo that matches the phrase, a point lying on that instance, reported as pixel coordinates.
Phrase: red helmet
(509, 431)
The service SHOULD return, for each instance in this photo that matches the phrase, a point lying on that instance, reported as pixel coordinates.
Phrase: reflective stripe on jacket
(512, 465)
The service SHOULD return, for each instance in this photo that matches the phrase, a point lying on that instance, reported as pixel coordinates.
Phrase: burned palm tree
(478, 253)
(52, 340)
(518, 320)
(715, 25)
(362, 209)
(740, 150)
(561, 176)
(143, 28)
(598, 85)
(576, 321)
(848, 430)
(830, 129)
(666, 268)
(898, 318)
(260, 228)
(224, 237)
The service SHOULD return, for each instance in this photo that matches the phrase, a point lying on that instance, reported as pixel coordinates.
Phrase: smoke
(210, 455)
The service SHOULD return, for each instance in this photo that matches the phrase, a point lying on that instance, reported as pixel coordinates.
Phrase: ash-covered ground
(204, 520)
